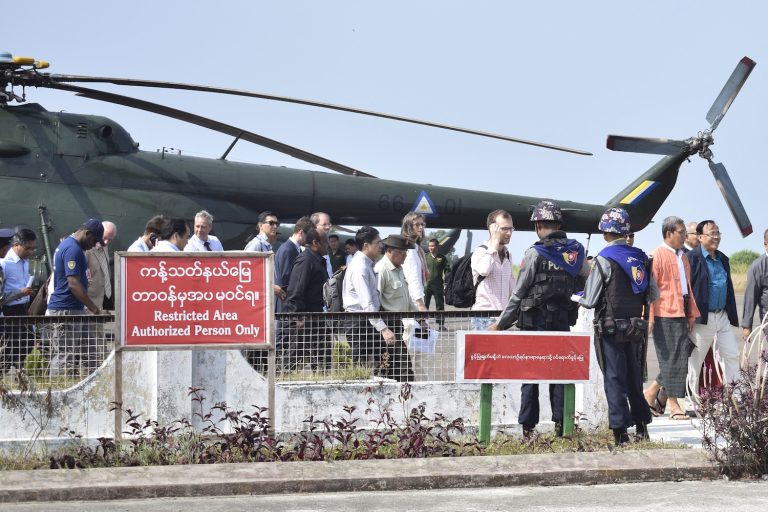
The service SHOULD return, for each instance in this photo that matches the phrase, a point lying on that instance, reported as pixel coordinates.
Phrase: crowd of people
(682, 293)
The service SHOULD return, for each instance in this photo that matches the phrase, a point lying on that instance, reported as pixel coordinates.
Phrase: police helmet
(547, 211)
(615, 220)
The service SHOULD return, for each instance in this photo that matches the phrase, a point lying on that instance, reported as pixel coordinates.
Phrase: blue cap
(7, 233)
(615, 220)
(547, 211)
(96, 227)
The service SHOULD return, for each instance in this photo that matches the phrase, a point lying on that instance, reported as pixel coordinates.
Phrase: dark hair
(303, 225)
(333, 236)
(700, 226)
(155, 225)
(434, 240)
(351, 241)
(496, 213)
(548, 224)
(365, 235)
(172, 227)
(263, 216)
(23, 236)
(312, 235)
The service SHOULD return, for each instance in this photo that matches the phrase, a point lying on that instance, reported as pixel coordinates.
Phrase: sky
(565, 73)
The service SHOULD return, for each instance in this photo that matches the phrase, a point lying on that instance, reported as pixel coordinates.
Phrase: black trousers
(623, 382)
(529, 393)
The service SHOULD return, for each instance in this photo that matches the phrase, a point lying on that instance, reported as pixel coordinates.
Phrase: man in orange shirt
(672, 317)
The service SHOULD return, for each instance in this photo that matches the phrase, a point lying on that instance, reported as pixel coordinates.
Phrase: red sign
(179, 299)
(523, 356)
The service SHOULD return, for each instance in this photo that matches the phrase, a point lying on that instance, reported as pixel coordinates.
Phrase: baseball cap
(96, 227)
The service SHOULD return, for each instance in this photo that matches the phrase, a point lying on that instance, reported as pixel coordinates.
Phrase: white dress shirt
(196, 245)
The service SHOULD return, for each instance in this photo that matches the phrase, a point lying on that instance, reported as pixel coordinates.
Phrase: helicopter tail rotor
(701, 143)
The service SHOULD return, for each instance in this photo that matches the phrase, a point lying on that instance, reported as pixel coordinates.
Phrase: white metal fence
(58, 352)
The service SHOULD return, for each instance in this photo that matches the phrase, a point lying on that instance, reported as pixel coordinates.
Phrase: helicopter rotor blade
(212, 125)
(649, 145)
(730, 90)
(299, 101)
(731, 197)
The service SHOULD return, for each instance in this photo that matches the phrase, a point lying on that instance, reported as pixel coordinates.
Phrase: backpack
(459, 286)
(332, 290)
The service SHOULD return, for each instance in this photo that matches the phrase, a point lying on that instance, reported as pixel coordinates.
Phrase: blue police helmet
(615, 220)
(547, 210)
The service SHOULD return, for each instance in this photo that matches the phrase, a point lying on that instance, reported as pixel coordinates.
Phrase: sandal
(679, 416)
(653, 408)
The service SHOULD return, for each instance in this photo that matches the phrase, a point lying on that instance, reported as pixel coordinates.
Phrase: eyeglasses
(507, 230)
(713, 235)
(680, 232)
(273, 223)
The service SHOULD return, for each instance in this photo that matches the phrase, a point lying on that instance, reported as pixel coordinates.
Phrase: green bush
(741, 260)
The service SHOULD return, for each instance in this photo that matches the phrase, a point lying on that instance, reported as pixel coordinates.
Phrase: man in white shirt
(360, 293)
(492, 268)
(202, 240)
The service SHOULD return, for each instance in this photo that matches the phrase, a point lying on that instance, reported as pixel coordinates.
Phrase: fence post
(569, 409)
(486, 399)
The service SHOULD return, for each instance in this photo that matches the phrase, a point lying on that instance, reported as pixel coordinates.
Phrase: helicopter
(59, 168)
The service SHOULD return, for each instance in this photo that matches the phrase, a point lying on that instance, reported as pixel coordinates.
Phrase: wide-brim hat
(397, 242)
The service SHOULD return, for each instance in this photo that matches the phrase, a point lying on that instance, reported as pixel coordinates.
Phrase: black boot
(641, 432)
(528, 431)
(620, 436)
(558, 429)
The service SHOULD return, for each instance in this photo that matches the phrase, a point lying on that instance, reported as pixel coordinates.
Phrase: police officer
(619, 288)
(551, 271)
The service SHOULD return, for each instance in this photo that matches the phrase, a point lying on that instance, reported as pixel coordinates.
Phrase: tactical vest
(548, 304)
(618, 299)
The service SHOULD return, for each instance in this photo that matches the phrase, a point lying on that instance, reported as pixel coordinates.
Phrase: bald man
(100, 282)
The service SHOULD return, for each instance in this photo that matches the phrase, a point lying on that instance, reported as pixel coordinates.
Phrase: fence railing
(55, 351)
(404, 347)
(58, 352)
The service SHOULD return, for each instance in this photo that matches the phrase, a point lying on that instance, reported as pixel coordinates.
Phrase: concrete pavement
(352, 476)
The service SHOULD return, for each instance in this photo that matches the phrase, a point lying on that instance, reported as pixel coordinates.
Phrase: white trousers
(717, 330)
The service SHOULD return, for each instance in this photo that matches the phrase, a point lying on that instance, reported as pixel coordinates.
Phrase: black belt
(716, 310)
